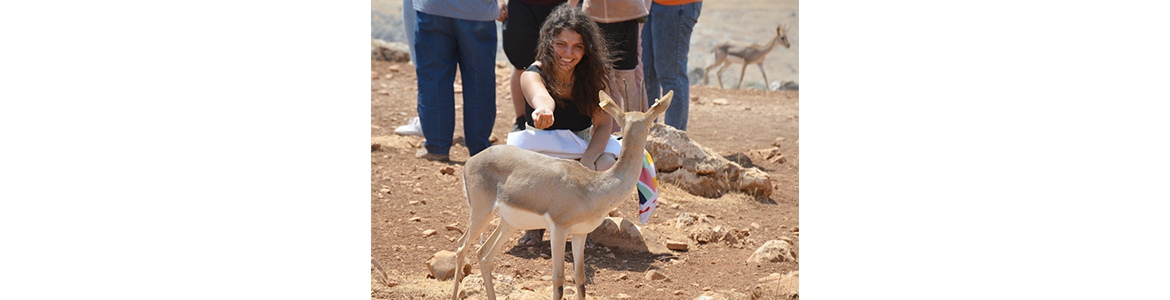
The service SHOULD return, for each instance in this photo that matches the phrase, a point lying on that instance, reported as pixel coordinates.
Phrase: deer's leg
(481, 210)
(579, 264)
(718, 61)
(719, 74)
(488, 252)
(767, 85)
(741, 71)
(557, 237)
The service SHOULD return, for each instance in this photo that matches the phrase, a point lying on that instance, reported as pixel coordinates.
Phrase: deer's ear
(609, 106)
(660, 106)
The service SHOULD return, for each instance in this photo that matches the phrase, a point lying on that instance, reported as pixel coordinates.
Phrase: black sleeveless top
(564, 117)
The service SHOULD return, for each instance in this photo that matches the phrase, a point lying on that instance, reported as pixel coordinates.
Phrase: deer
(745, 53)
(535, 191)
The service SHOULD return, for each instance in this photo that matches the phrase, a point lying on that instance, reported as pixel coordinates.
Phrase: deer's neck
(624, 174)
(772, 44)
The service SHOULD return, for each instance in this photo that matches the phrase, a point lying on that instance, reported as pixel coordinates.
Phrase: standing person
(562, 110)
(412, 127)
(522, 20)
(666, 41)
(618, 20)
(450, 34)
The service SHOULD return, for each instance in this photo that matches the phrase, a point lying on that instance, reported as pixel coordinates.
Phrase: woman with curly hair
(563, 115)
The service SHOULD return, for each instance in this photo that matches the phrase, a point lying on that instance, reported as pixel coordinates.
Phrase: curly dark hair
(593, 72)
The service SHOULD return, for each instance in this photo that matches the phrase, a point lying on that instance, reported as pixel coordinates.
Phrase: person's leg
(650, 77)
(672, 26)
(436, 74)
(477, 64)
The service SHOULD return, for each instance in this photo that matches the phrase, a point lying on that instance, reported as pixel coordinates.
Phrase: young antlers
(535, 191)
(745, 53)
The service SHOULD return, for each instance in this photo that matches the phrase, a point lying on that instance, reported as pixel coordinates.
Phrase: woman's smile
(569, 48)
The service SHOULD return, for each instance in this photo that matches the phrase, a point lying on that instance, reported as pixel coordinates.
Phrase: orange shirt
(675, 2)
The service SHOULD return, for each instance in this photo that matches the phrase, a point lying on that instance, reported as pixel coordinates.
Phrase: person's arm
(503, 10)
(602, 125)
(538, 97)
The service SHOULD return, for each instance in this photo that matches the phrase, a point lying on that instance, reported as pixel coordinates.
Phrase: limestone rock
(654, 275)
(710, 295)
(699, 170)
(677, 246)
(733, 236)
(789, 86)
(428, 232)
(624, 234)
(385, 142)
(389, 51)
(453, 227)
(773, 251)
(778, 286)
(688, 219)
(442, 265)
(703, 235)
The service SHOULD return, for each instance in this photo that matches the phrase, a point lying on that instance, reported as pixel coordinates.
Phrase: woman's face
(569, 49)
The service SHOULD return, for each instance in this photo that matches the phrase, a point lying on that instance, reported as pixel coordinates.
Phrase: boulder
(442, 265)
(623, 234)
(389, 51)
(699, 170)
(778, 286)
(773, 251)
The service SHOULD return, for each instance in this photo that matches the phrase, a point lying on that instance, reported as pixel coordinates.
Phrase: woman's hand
(503, 11)
(542, 117)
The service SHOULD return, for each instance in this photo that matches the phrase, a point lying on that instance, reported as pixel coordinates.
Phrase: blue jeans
(665, 43)
(443, 44)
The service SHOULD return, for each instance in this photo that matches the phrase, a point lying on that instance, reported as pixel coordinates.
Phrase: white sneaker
(411, 128)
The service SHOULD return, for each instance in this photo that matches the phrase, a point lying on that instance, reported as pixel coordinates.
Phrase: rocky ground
(418, 208)
(693, 247)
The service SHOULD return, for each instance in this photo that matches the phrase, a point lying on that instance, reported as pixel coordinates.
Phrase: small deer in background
(534, 191)
(745, 53)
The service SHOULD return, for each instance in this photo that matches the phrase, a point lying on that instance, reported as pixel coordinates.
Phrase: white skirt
(559, 143)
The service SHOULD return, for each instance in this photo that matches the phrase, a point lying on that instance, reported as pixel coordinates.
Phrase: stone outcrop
(389, 51)
(773, 251)
(700, 170)
(623, 234)
(778, 286)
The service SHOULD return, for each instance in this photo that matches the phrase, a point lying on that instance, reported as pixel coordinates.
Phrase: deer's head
(782, 35)
(635, 119)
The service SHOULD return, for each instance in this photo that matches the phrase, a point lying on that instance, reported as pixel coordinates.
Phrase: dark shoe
(422, 153)
(532, 237)
(519, 125)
